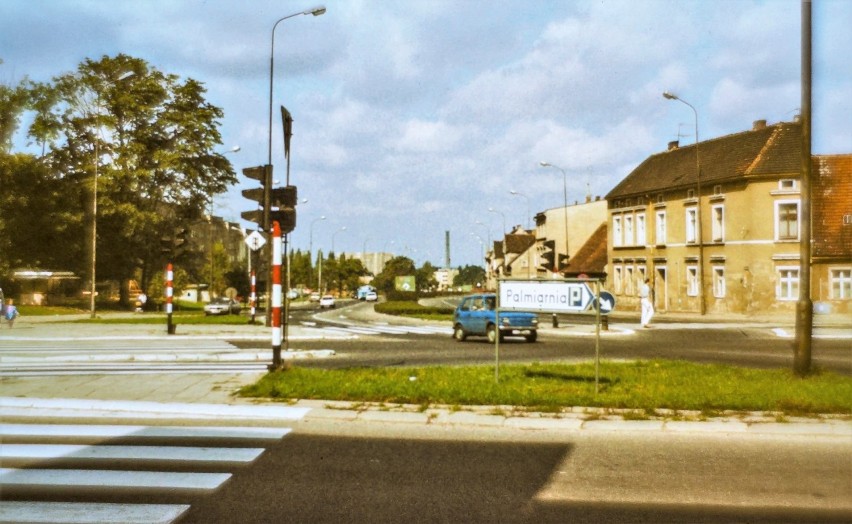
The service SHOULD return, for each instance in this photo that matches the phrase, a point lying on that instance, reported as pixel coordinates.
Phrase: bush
(406, 308)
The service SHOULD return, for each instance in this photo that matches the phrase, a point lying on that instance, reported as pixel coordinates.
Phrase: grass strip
(642, 385)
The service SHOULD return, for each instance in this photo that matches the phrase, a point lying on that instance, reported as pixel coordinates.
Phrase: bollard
(555, 320)
(605, 322)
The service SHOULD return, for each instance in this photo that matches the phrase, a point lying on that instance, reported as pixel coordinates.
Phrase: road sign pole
(274, 299)
(170, 327)
(597, 336)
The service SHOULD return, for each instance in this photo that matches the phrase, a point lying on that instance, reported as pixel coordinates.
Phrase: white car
(371, 296)
(327, 301)
(222, 306)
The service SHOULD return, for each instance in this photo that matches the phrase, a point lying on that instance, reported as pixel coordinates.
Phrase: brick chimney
(674, 144)
(758, 125)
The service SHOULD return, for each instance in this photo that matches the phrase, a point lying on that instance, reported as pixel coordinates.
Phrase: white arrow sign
(545, 296)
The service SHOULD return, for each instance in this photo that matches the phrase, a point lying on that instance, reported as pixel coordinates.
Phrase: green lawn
(645, 386)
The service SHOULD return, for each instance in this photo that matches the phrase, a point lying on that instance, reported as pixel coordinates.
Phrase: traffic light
(261, 195)
(283, 208)
(173, 245)
(563, 262)
(546, 256)
(274, 204)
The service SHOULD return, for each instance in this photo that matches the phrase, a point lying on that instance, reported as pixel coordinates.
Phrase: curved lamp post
(316, 11)
(517, 193)
(699, 237)
(93, 290)
(565, 201)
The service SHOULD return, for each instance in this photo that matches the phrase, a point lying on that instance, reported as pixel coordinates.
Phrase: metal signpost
(570, 295)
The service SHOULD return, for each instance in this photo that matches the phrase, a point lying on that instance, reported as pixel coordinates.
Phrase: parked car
(315, 297)
(222, 306)
(476, 315)
(371, 296)
(327, 301)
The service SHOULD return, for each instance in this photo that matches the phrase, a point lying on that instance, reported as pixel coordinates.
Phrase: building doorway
(661, 298)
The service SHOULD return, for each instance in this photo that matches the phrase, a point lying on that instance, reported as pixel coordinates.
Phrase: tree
(395, 267)
(469, 276)
(425, 277)
(150, 136)
(40, 222)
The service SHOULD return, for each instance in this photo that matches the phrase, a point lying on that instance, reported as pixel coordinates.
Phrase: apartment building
(728, 240)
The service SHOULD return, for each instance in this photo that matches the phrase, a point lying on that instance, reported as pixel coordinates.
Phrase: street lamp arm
(316, 11)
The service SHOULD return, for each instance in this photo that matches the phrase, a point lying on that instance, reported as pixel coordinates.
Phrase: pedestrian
(647, 303)
(11, 312)
(140, 302)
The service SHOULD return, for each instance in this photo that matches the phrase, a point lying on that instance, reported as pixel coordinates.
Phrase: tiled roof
(831, 195)
(591, 257)
(519, 243)
(772, 150)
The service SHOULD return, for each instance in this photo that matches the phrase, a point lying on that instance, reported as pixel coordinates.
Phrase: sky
(417, 117)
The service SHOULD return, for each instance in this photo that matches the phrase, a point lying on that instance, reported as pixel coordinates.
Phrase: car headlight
(506, 322)
(535, 321)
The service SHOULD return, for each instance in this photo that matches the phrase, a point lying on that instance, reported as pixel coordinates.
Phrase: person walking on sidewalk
(10, 313)
(647, 303)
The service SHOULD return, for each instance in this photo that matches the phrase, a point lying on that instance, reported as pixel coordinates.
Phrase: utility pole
(805, 307)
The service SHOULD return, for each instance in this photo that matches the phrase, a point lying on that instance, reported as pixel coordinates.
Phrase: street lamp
(235, 149)
(565, 199)
(699, 236)
(342, 229)
(93, 290)
(516, 193)
(311, 250)
(316, 11)
(492, 210)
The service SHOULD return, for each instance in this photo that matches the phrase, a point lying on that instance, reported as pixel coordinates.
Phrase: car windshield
(220, 300)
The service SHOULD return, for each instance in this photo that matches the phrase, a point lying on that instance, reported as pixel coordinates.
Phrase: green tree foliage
(40, 222)
(395, 267)
(470, 275)
(425, 278)
(13, 102)
(150, 136)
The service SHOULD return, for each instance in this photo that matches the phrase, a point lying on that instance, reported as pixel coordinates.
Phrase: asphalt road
(743, 346)
(625, 477)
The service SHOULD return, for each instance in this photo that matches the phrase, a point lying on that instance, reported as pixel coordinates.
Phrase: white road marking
(112, 431)
(100, 452)
(111, 479)
(90, 513)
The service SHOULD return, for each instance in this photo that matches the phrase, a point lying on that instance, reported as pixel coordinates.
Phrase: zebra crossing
(378, 328)
(99, 473)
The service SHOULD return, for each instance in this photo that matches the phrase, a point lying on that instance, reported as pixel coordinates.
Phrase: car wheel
(459, 334)
(532, 337)
(491, 333)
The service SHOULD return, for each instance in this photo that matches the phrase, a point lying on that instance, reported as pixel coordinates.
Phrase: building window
(787, 220)
(787, 184)
(640, 229)
(718, 223)
(616, 231)
(628, 280)
(788, 283)
(841, 283)
(617, 280)
(719, 282)
(691, 225)
(628, 230)
(642, 272)
(692, 281)
(661, 228)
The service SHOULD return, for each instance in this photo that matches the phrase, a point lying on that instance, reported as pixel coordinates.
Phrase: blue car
(475, 315)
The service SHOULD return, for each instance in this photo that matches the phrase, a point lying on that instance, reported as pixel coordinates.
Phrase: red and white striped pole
(170, 327)
(253, 296)
(275, 299)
